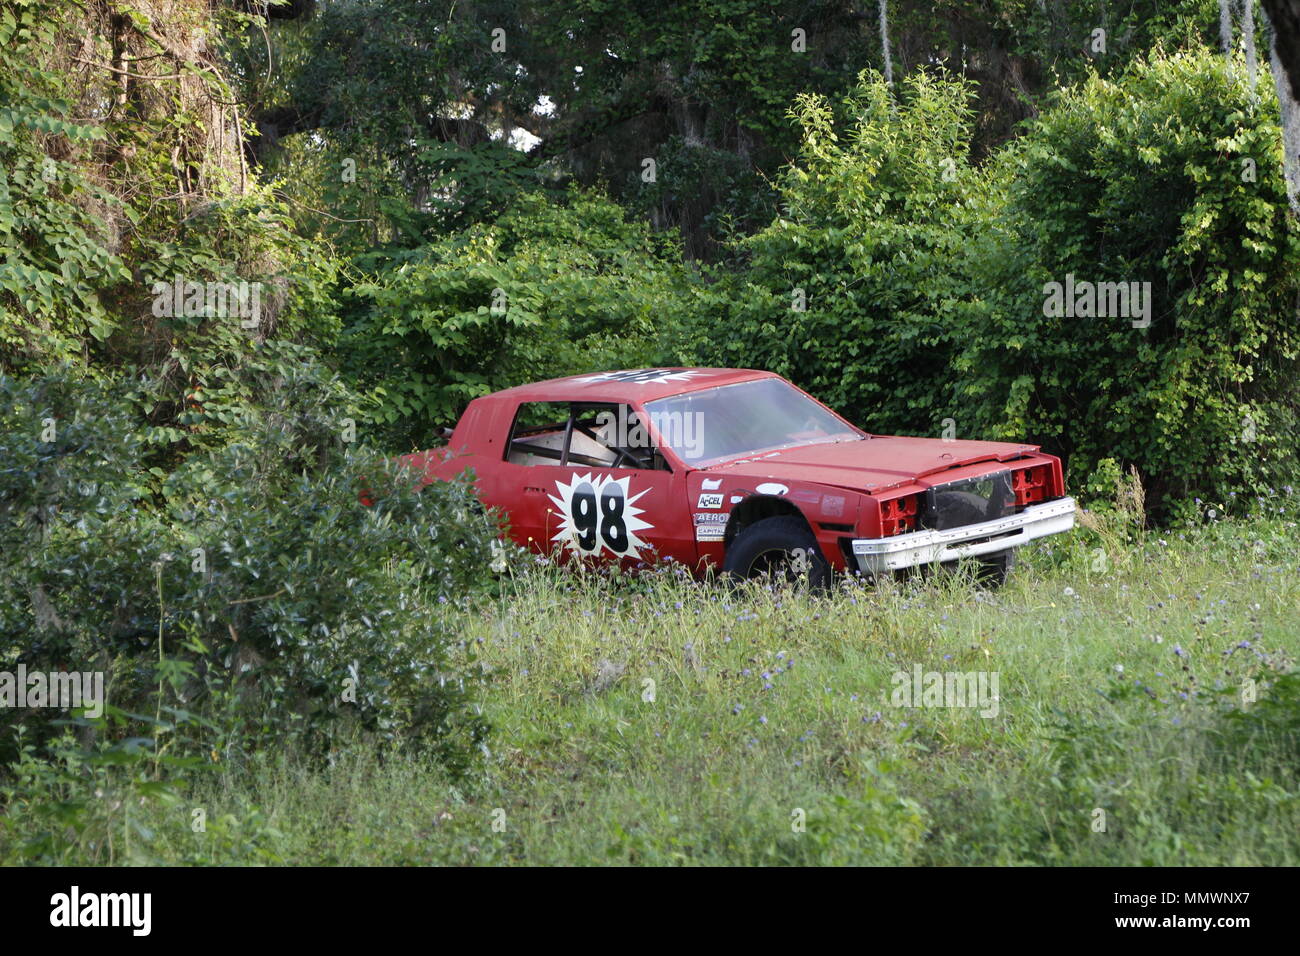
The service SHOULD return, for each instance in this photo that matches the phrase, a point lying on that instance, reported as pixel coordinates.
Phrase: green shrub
(848, 291)
(56, 253)
(252, 585)
(100, 802)
(924, 281)
(1170, 175)
(546, 290)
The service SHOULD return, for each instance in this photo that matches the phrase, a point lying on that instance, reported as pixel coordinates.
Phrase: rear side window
(537, 436)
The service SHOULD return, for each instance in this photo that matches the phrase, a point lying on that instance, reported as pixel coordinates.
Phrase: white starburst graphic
(599, 514)
(642, 376)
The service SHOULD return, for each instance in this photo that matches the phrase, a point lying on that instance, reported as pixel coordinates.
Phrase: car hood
(871, 465)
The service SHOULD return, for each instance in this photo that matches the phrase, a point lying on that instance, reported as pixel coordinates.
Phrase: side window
(616, 430)
(594, 435)
(537, 436)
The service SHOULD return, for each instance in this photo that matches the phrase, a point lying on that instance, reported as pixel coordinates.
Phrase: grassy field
(658, 721)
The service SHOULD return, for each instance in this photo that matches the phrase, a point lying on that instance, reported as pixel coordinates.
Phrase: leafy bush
(847, 291)
(904, 287)
(88, 222)
(252, 585)
(1170, 176)
(57, 255)
(77, 802)
(546, 290)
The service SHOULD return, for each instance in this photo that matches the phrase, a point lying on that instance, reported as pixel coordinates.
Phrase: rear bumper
(877, 555)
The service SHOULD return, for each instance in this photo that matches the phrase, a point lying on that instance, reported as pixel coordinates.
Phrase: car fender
(721, 506)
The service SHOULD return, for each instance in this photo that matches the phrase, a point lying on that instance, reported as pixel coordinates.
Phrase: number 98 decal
(599, 514)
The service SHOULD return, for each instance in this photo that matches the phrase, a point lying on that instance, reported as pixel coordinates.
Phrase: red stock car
(740, 470)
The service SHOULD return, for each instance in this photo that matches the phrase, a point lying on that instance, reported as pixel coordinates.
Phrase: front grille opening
(969, 501)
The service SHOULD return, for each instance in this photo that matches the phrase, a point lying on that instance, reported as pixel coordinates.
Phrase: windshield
(732, 421)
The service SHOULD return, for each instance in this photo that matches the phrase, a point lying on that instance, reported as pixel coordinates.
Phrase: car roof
(630, 385)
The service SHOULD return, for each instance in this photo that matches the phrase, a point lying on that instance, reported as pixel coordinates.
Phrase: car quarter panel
(624, 514)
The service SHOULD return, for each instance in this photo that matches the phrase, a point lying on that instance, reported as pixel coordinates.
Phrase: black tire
(994, 568)
(773, 548)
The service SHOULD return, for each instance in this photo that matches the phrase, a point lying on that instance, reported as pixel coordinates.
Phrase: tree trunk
(1284, 60)
(884, 42)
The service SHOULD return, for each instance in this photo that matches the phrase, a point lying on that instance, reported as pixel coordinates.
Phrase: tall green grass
(653, 720)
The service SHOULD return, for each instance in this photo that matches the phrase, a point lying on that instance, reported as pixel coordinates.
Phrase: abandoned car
(741, 471)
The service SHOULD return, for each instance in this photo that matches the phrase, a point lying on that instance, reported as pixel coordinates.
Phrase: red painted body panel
(878, 464)
(684, 514)
(605, 387)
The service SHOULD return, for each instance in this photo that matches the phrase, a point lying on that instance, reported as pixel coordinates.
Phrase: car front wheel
(778, 549)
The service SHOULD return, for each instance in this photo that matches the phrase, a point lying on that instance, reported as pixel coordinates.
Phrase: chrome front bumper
(876, 555)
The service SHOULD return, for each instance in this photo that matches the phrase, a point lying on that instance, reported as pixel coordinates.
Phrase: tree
(1284, 60)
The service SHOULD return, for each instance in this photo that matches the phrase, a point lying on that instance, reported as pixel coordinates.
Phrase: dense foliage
(436, 200)
(56, 259)
(548, 289)
(906, 287)
(591, 89)
(848, 291)
(251, 584)
(1170, 177)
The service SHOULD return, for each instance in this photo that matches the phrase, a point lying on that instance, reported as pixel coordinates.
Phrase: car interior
(560, 433)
